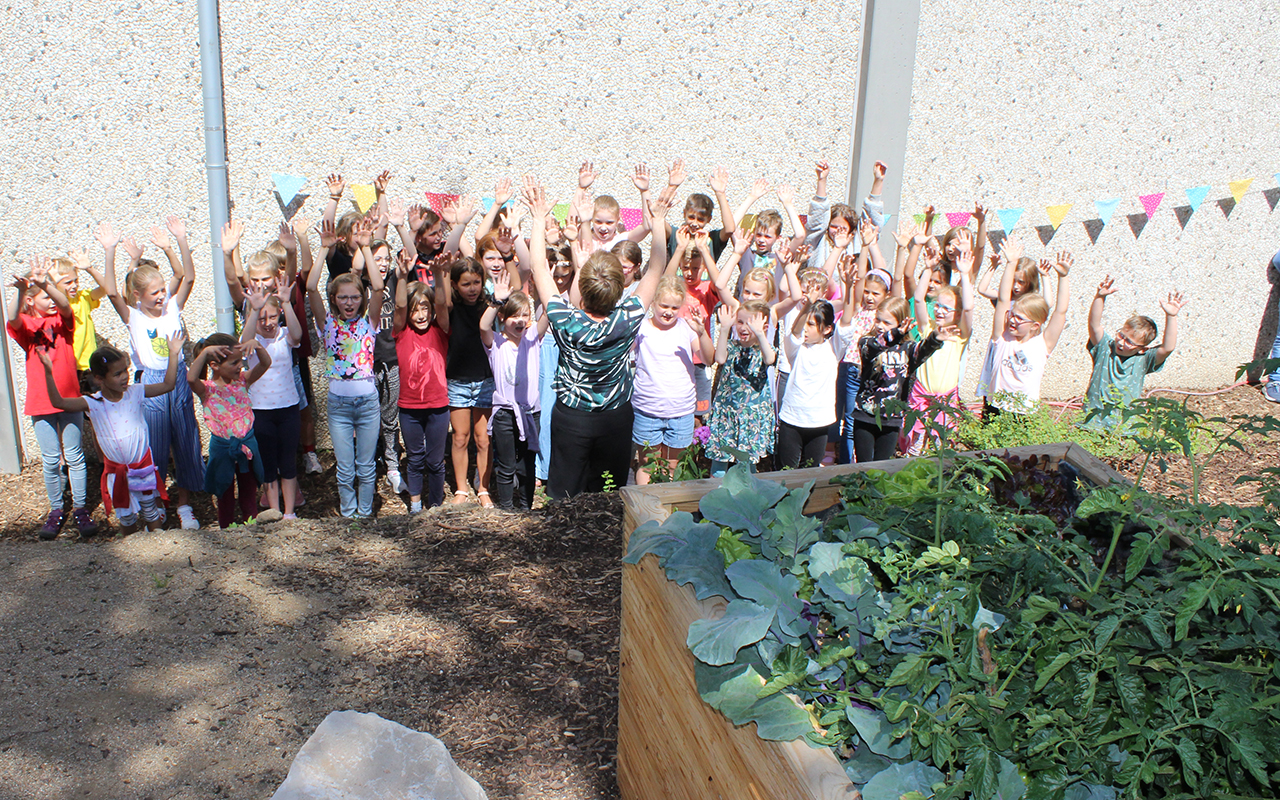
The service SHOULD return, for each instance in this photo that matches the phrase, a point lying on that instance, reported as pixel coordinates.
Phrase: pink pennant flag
(958, 219)
(436, 200)
(1150, 202)
(631, 217)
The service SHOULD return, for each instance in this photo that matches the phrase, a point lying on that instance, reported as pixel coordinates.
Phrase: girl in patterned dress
(742, 420)
(234, 460)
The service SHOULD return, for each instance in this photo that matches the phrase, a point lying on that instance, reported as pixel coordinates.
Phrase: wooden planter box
(671, 744)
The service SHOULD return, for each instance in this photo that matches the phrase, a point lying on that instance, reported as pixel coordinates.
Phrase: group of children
(442, 345)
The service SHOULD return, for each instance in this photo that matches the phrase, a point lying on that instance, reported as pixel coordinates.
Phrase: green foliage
(973, 629)
(1042, 426)
(688, 466)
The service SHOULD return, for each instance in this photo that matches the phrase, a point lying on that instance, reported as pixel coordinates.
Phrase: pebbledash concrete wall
(1028, 105)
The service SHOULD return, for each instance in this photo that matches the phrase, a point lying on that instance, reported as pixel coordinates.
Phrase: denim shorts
(653, 431)
(471, 394)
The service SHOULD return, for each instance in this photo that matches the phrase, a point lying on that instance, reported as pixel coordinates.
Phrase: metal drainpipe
(10, 428)
(215, 156)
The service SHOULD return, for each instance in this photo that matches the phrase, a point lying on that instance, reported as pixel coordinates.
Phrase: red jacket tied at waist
(140, 477)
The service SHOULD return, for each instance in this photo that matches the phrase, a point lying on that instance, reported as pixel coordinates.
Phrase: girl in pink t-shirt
(228, 414)
(422, 348)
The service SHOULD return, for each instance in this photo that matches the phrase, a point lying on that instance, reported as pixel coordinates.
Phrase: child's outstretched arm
(231, 233)
(964, 319)
(676, 175)
(984, 283)
(819, 206)
(980, 240)
(257, 300)
(719, 182)
(658, 264)
(1011, 251)
(697, 322)
(179, 230)
(725, 316)
(161, 240)
(301, 233)
(328, 238)
(640, 179)
(400, 317)
(13, 306)
(918, 294)
(759, 188)
(396, 215)
(363, 233)
(1171, 306)
(1096, 331)
(381, 213)
(336, 185)
(787, 197)
(264, 361)
(40, 277)
(457, 214)
(758, 326)
(535, 196)
(293, 325)
(81, 259)
(109, 239)
(176, 342)
(501, 194)
(501, 291)
(199, 364)
(55, 397)
(906, 232)
(289, 241)
(1058, 319)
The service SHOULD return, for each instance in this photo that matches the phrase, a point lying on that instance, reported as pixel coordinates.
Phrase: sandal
(483, 497)
(461, 493)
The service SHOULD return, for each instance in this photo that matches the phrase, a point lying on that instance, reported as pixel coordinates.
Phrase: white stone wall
(1032, 105)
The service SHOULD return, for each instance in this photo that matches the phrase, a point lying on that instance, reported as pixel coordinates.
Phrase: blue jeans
(353, 429)
(848, 380)
(1275, 353)
(59, 434)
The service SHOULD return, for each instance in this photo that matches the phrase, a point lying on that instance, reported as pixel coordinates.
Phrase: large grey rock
(355, 756)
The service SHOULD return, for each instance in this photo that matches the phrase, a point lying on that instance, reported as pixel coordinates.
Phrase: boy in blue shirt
(1121, 362)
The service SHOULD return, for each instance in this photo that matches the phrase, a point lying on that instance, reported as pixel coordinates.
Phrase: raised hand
(449, 213)
(514, 217)
(284, 291)
(719, 180)
(395, 212)
(1106, 287)
(1045, 266)
(287, 237)
(507, 238)
(40, 270)
(684, 235)
(362, 233)
(131, 247)
(502, 286)
(725, 315)
(552, 231)
(907, 325)
(879, 169)
(502, 192)
(759, 188)
(949, 333)
(257, 298)
(328, 235)
(799, 255)
(677, 173)
(336, 185)
(106, 236)
(587, 175)
(823, 169)
(868, 232)
(159, 237)
(537, 198)
(404, 264)
(300, 226)
(1064, 263)
(176, 227)
(177, 342)
(380, 182)
(907, 230)
(80, 258)
(696, 319)
(1011, 250)
(929, 214)
(659, 207)
(415, 217)
(849, 268)
(640, 177)
(1172, 304)
(964, 261)
(755, 323)
(980, 212)
(741, 242)
(786, 194)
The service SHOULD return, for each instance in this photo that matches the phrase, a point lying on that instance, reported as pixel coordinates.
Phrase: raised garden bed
(674, 744)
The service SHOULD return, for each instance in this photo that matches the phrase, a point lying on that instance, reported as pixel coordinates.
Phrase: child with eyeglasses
(1023, 335)
(1122, 362)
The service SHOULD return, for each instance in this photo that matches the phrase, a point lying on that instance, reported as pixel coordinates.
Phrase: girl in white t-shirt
(277, 421)
(665, 392)
(808, 410)
(1023, 334)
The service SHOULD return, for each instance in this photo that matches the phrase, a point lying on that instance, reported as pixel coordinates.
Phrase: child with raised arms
(40, 320)
(422, 349)
(514, 423)
(132, 486)
(742, 421)
(152, 312)
(235, 463)
(1023, 336)
(273, 325)
(347, 327)
(470, 377)
(666, 392)
(1121, 362)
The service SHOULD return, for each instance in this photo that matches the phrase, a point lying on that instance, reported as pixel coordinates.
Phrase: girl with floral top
(234, 461)
(348, 327)
(741, 419)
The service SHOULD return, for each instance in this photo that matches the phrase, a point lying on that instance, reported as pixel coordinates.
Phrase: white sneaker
(311, 464)
(395, 481)
(188, 517)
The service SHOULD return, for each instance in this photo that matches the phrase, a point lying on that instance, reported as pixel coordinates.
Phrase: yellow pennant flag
(364, 195)
(1238, 188)
(1057, 214)
(748, 223)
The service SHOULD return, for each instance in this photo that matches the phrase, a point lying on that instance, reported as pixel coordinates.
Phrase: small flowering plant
(692, 463)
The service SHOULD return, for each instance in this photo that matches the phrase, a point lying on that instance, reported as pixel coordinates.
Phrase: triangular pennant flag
(290, 208)
(1009, 217)
(560, 212)
(1277, 177)
(804, 221)
(633, 218)
(1238, 188)
(288, 185)
(364, 196)
(1106, 209)
(436, 200)
(1057, 213)
(486, 203)
(919, 218)
(958, 219)
(1196, 196)
(1150, 202)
